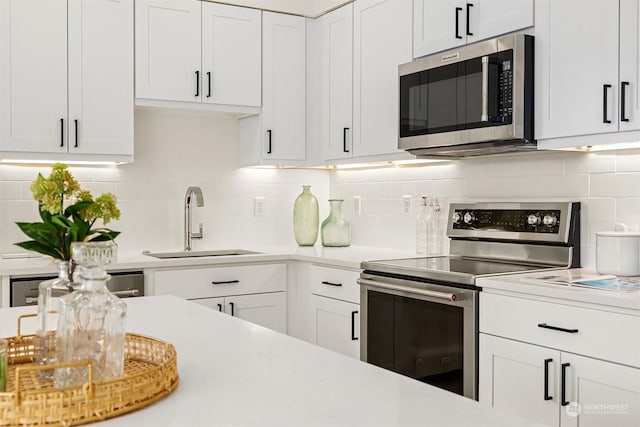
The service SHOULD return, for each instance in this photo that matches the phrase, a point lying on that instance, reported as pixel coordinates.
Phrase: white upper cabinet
(231, 55)
(168, 50)
(444, 24)
(629, 68)
(336, 61)
(66, 79)
(198, 52)
(382, 41)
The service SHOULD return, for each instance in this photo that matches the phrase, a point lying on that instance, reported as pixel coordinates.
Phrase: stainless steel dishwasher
(125, 284)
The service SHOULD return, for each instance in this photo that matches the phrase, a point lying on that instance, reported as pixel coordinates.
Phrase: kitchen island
(234, 372)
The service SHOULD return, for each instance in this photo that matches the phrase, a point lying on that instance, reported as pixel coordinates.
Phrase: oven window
(420, 339)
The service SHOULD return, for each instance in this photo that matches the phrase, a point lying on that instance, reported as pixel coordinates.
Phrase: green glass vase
(336, 230)
(306, 217)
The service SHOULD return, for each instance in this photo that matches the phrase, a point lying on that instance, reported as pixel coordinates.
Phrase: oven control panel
(507, 220)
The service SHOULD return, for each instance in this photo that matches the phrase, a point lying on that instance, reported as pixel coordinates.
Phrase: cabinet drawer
(220, 281)
(335, 283)
(600, 334)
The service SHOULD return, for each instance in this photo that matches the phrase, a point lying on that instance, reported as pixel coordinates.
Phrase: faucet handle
(200, 233)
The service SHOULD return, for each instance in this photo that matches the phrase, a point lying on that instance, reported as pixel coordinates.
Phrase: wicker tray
(150, 373)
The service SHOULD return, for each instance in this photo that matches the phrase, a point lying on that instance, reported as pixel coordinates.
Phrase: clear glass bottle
(421, 226)
(91, 323)
(336, 230)
(306, 218)
(49, 293)
(434, 229)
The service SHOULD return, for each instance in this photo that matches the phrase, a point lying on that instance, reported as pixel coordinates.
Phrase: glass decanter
(336, 230)
(306, 218)
(91, 323)
(49, 293)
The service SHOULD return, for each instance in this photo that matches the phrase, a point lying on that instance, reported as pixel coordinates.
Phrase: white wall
(608, 185)
(174, 150)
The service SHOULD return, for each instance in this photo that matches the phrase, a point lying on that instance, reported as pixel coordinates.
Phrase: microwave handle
(485, 89)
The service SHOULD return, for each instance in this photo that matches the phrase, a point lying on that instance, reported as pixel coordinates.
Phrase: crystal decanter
(91, 322)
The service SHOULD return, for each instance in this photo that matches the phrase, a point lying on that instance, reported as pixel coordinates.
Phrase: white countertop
(233, 372)
(348, 257)
(514, 283)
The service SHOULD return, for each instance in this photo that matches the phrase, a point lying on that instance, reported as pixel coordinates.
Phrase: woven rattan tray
(150, 373)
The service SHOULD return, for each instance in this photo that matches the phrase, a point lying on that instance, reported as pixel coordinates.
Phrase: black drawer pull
(563, 380)
(224, 282)
(61, 132)
(605, 89)
(546, 379)
(233, 308)
(269, 146)
(353, 326)
(557, 328)
(623, 102)
(344, 140)
(458, 10)
(331, 284)
(219, 307)
(469, 6)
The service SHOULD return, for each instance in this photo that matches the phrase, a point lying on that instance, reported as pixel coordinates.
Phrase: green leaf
(61, 221)
(31, 245)
(44, 233)
(77, 207)
(103, 235)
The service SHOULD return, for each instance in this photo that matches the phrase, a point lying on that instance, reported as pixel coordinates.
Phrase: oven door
(422, 330)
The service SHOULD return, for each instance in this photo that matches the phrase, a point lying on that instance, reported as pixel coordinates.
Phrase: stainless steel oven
(419, 316)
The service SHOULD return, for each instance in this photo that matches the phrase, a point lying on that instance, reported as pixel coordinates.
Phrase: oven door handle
(433, 294)
(128, 293)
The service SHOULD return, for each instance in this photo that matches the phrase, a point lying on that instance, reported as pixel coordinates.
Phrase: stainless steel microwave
(475, 100)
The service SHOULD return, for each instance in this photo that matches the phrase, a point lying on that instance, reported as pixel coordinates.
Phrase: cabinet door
(491, 18)
(512, 379)
(168, 50)
(215, 303)
(629, 65)
(382, 41)
(101, 76)
(283, 76)
(576, 56)
(33, 75)
(231, 55)
(335, 325)
(336, 52)
(268, 310)
(607, 393)
(438, 25)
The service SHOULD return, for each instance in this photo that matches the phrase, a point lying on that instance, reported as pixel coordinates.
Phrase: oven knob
(550, 220)
(534, 219)
(457, 218)
(469, 218)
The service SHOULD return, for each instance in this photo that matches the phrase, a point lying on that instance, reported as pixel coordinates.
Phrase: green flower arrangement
(62, 226)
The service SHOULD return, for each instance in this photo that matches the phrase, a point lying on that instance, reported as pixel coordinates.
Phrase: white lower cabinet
(336, 325)
(268, 310)
(540, 380)
(335, 309)
(256, 293)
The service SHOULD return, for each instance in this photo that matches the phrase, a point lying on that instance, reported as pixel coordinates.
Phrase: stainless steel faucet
(188, 234)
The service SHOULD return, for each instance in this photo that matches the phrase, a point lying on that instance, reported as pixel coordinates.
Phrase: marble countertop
(519, 284)
(233, 372)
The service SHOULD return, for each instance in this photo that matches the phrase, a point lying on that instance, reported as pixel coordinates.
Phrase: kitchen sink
(195, 254)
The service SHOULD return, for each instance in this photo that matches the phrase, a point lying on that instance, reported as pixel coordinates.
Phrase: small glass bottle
(306, 218)
(91, 324)
(421, 226)
(434, 229)
(336, 230)
(49, 293)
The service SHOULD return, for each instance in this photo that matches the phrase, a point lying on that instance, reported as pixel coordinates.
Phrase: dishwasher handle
(424, 292)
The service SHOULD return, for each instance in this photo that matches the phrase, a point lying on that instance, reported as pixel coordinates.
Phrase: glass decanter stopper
(49, 293)
(91, 323)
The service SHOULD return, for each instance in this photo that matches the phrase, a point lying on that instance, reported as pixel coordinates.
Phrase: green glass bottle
(306, 218)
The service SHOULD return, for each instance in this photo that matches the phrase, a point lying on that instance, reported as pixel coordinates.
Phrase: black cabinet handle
(232, 308)
(563, 380)
(557, 328)
(197, 83)
(469, 6)
(344, 140)
(75, 127)
(623, 102)
(224, 282)
(605, 89)
(209, 83)
(458, 10)
(269, 146)
(331, 284)
(546, 379)
(61, 132)
(353, 326)
(219, 307)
